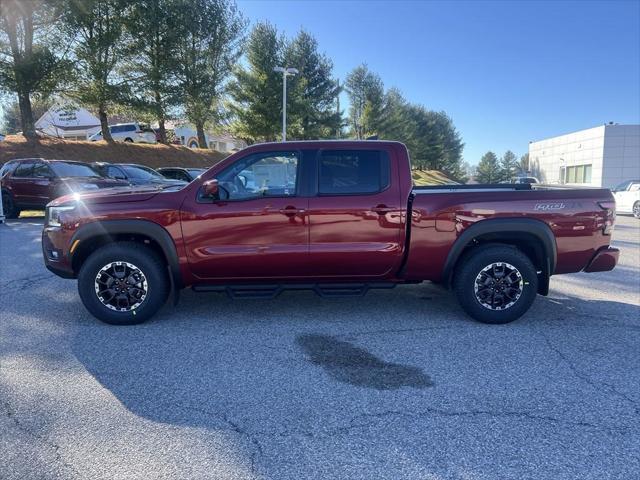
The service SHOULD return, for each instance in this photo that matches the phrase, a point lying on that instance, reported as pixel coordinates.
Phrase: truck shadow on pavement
(347, 363)
(246, 365)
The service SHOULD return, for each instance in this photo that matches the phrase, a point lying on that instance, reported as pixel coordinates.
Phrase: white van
(129, 132)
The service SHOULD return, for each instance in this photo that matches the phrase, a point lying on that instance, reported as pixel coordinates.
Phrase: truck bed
(440, 216)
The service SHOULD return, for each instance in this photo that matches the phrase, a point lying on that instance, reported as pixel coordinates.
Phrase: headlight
(53, 214)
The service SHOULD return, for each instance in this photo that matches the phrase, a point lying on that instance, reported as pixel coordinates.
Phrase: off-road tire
(9, 207)
(469, 269)
(149, 264)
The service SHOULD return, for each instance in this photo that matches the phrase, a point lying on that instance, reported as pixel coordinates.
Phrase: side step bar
(327, 290)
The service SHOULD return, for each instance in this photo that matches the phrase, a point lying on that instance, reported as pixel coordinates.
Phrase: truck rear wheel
(123, 283)
(496, 283)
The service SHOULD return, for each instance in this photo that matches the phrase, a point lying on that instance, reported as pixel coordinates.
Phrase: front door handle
(382, 209)
(290, 211)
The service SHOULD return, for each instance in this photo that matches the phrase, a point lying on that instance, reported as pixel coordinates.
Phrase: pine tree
(366, 95)
(509, 165)
(488, 170)
(209, 45)
(153, 58)
(98, 26)
(256, 91)
(524, 166)
(311, 111)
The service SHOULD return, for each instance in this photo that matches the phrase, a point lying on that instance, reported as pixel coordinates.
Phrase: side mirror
(211, 189)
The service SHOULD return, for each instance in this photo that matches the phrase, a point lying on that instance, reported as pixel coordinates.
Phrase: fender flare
(537, 228)
(137, 227)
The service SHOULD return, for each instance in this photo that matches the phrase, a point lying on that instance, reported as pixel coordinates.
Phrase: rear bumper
(604, 260)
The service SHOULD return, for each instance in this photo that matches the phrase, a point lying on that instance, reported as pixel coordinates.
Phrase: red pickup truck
(338, 217)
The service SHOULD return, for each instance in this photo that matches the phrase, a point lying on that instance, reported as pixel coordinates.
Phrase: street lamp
(286, 72)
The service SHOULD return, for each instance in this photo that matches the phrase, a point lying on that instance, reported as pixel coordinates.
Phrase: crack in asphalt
(595, 384)
(22, 283)
(13, 417)
(236, 428)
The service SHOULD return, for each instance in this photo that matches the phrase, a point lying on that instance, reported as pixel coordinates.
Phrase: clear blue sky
(506, 72)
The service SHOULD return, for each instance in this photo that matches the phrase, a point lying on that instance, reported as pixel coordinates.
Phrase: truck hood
(97, 181)
(109, 195)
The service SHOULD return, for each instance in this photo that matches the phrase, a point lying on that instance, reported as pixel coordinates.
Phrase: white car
(628, 197)
(129, 132)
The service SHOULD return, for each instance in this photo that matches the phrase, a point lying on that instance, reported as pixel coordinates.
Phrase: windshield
(73, 169)
(624, 185)
(141, 173)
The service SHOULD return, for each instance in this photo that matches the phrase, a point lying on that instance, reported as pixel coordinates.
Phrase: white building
(68, 121)
(603, 156)
(222, 143)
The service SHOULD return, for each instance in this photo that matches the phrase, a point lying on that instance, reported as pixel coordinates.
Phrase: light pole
(286, 72)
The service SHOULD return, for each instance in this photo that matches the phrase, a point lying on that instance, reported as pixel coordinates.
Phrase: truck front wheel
(496, 283)
(123, 283)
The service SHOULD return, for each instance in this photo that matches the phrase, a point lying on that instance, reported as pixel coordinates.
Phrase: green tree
(32, 55)
(153, 56)
(509, 165)
(434, 142)
(489, 170)
(210, 40)
(311, 111)
(98, 26)
(256, 91)
(366, 95)
(524, 166)
(12, 119)
(395, 122)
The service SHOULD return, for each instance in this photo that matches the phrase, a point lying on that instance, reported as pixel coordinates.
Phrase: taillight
(609, 216)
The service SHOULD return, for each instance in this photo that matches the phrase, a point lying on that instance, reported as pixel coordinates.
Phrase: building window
(577, 174)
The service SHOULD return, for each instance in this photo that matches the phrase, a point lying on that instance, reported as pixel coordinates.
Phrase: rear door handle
(382, 209)
(291, 211)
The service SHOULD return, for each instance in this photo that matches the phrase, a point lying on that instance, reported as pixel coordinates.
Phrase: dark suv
(135, 174)
(31, 183)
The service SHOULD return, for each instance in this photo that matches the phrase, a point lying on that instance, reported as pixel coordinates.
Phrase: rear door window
(42, 170)
(24, 170)
(353, 172)
(115, 172)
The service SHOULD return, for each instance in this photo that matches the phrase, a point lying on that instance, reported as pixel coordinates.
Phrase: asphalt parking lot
(399, 384)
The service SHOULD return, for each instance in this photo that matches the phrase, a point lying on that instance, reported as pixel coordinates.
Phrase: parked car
(31, 183)
(1, 137)
(627, 196)
(128, 132)
(329, 216)
(529, 180)
(134, 174)
(179, 173)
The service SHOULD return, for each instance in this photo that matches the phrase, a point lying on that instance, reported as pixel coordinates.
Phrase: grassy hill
(423, 178)
(154, 156)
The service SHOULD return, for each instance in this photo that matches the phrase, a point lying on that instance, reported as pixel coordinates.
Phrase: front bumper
(604, 260)
(55, 252)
